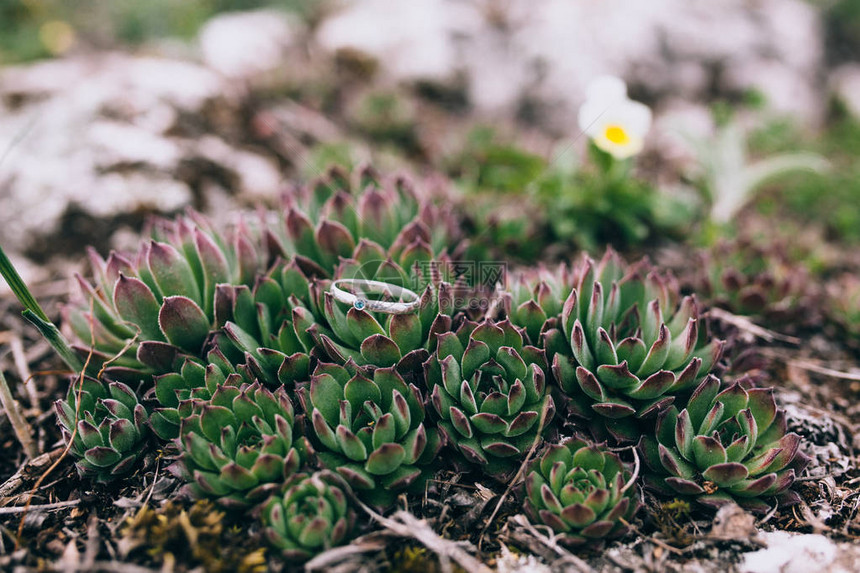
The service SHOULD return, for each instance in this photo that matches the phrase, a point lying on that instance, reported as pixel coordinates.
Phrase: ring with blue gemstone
(355, 292)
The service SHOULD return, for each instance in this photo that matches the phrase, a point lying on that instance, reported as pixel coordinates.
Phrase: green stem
(16, 283)
(619, 170)
(56, 340)
(33, 312)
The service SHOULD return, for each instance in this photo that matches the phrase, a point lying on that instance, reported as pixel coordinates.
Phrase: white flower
(615, 123)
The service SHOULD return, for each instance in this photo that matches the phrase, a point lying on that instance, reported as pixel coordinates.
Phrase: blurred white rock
(415, 38)
(242, 45)
(112, 136)
(798, 553)
(679, 124)
(555, 47)
(257, 178)
(786, 90)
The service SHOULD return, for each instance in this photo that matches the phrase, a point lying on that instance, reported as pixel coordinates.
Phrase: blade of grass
(19, 288)
(59, 343)
(33, 312)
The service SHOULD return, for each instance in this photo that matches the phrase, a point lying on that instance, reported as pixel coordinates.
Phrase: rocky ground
(94, 143)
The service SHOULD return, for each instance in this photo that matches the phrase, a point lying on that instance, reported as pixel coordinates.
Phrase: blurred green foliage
(487, 162)
(387, 118)
(830, 199)
(607, 204)
(323, 156)
(842, 24)
(28, 28)
(524, 206)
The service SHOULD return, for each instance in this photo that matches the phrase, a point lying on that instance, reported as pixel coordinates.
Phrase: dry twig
(339, 555)
(11, 485)
(653, 539)
(748, 326)
(826, 371)
(20, 359)
(404, 524)
(45, 507)
(530, 533)
(19, 422)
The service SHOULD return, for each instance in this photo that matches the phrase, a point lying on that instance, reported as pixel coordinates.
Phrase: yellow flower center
(617, 135)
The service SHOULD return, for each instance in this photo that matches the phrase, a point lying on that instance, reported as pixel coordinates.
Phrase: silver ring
(367, 287)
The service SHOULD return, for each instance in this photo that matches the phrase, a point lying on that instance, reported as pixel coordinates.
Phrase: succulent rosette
(336, 219)
(372, 339)
(369, 428)
(627, 347)
(239, 445)
(489, 389)
(111, 428)
(581, 491)
(535, 298)
(312, 515)
(147, 312)
(750, 279)
(725, 445)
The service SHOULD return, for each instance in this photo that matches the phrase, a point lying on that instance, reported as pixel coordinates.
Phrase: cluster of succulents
(534, 298)
(627, 345)
(400, 340)
(260, 378)
(240, 444)
(748, 278)
(725, 445)
(378, 228)
(145, 313)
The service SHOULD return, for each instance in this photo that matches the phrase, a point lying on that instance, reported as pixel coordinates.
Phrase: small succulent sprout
(369, 428)
(239, 445)
(489, 389)
(725, 445)
(534, 299)
(335, 218)
(147, 312)
(313, 514)
(111, 428)
(627, 347)
(582, 491)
